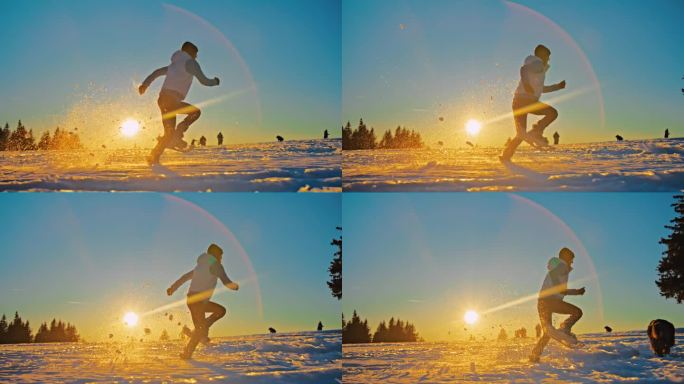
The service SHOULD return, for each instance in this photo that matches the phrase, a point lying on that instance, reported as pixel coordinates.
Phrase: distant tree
(671, 266)
(164, 336)
(3, 329)
(381, 333)
(502, 335)
(346, 136)
(335, 268)
(356, 331)
(4, 137)
(44, 142)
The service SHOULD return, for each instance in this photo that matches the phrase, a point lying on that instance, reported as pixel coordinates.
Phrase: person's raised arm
(152, 77)
(182, 280)
(554, 87)
(193, 67)
(218, 270)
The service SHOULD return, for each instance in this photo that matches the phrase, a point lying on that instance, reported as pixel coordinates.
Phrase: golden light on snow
(130, 319)
(471, 317)
(130, 128)
(473, 127)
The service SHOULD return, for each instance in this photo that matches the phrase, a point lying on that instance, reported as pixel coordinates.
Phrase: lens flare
(471, 317)
(130, 128)
(130, 319)
(473, 127)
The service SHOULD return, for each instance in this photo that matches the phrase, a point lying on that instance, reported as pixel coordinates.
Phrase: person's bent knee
(579, 313)
(221, 311)
(553, 113)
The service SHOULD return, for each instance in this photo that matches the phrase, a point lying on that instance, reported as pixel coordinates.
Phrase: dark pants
(198, 311)
(546, 308)
(171, 105)
(522, 106)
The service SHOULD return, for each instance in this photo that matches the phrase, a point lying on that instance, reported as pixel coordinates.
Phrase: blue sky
(88, 258)
(429, 257)
(410, 62)
(78, 62)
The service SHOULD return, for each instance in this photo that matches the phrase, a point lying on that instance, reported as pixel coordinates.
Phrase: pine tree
(4, 137)
(3, 329)
(355, 331)
(671, 266)
(44, 142)
(335, 268)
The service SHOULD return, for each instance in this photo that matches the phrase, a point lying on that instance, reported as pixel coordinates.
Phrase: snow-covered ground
(605, 358)
(306, 357)
(305, 165)
(648, 165)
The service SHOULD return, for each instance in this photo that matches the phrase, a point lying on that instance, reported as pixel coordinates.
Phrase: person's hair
(541, 49)
(215, 251)
(189, 47)
(566, 253)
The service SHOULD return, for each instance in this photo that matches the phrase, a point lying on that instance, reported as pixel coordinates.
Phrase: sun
(471, 317)
(130, 128)
(473, 127)
(130, 319)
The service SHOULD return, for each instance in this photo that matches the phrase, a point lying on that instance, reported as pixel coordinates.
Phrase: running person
(179, 75)
(550, 301)
(526, 101)
(203, 279)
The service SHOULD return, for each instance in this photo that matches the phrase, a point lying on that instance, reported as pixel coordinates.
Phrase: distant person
(203, 141)
(319, 327)
(619, 138)
(538, 330)
(203, 280)
(667, 133)
(550, 301)
(219, 138)
(192, 145)
(526, 101)
(325, 134)
(556, 138)
(179, 74)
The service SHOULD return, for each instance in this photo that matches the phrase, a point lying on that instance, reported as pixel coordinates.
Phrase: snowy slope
(616, 357)
(307, 357)
(650, 165)
(306, 165)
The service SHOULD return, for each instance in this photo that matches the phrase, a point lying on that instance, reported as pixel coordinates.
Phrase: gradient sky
(429, 257)
(78, 64)
(87, 258)
(410, 62)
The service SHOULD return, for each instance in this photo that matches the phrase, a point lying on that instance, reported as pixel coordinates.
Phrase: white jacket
(556, 281)
(535, 73)
(178, 79)
(204, 276)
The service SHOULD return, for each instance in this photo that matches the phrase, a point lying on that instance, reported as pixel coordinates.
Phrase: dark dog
(661, 333)
(272, 330)
(608, 329)
(280, 138)
(619, 138)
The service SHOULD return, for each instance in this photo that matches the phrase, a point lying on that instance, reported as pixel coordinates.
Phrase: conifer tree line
(395, 331)
(19, 331)
(671, 266)
(364, 138)
(22, 139)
